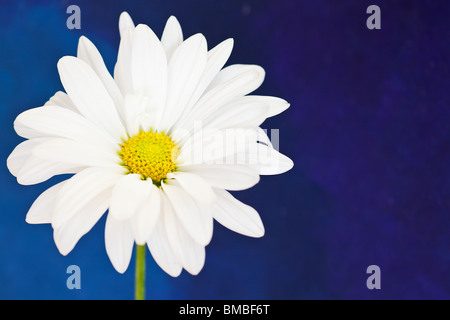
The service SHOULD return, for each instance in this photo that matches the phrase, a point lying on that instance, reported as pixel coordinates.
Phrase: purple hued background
(368, 130)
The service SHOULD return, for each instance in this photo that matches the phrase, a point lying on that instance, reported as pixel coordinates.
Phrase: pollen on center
(150, 154)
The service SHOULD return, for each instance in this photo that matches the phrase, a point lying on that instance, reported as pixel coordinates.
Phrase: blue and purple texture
(368, 130)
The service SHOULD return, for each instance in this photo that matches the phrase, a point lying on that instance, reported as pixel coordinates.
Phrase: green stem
(139, 288)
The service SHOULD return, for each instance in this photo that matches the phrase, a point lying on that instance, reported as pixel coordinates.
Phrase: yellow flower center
(150, 154)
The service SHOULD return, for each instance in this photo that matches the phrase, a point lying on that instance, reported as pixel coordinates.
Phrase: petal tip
(173, 19)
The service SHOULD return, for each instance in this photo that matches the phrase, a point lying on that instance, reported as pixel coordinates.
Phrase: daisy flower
(158, 145)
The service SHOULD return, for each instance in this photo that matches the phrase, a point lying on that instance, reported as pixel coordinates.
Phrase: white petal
(36, 170)
(125, 23)
(89, 95)
(238, 114)
(148, 66)
(266, 160)
(119, 243)
(185, 71)
(81, 219)
(89, 54)
(262, 137)
(65, 151)
(138, 113)
(159, 246)
(233, 71)
(189, 253)
(172, 36)
(217, 57)
(225, 176)
(276, 105)
(278, 164)
(193, 184)
(122, 69)
(129, 194)
(194, 216)
(61, 99)
(20, 154)
(54, 121)
(237, 216)
(147, 215)
(84, 190)
(236, 81)
(41, 211)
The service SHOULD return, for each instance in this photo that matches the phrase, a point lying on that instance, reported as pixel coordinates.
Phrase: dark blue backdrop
(368, 130)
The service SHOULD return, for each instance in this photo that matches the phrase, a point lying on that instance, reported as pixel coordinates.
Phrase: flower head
(150, 154)
(158, 146)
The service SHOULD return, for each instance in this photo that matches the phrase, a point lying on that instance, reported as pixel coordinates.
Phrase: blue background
(368, 130)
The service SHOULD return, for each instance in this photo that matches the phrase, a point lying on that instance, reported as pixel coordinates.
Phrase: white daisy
(158, 145)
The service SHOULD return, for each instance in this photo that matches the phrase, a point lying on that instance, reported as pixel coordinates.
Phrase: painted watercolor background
(368, 130)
